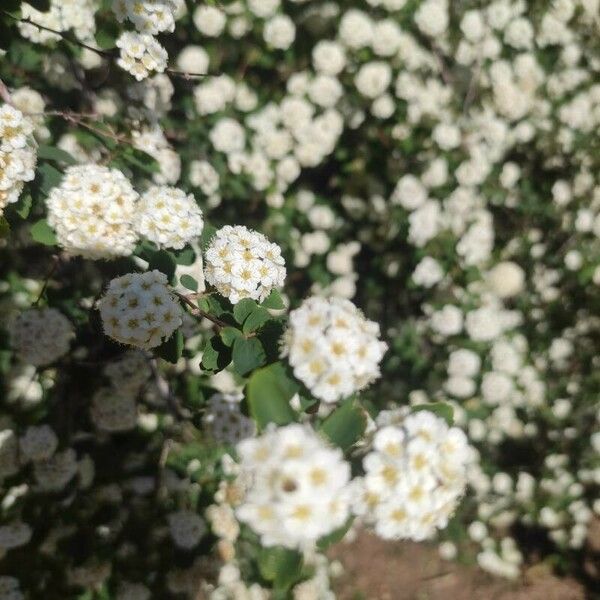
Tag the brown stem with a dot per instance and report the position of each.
(197, 312)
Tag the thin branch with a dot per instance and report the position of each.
(197, 312)
(55, 263)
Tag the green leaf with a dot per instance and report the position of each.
(56, 154)
(208, 232)
(185, 257)
(259, 316)
(172, 349)
(229, 335)
(242, 309)
(187, 281)
(50, 177)
(141, 160)
(4, 227)
(441, 409)
(24, 207)
(163, 261)
(215, 356)
(335, 536)
(248, 354)
(345, 425)
(269, 392)
(280, 565)
(42, 233)
(274, 301)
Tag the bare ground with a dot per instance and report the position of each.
(378, 570)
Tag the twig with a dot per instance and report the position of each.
(197, 312)
(55, 263)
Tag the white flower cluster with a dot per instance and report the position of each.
(148, 16)
(41, 336)
(297, 486)
(169, 217)
(186, 528)
(333, 349)
(92, 212)
(10, 588)
(153, 142)
(224, 420)
(18, 155)
(414, 477)
(141, 54)
(113, 410)
(242, 263)
(129, 372)
(78, 15)
(14, 535)
(138, 309)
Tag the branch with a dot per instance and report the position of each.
(197, 312)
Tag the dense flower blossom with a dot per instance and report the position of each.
(414, 477)
(297, 489)
(242, 263)
(141, 54)
(41, 336)
(224, 420)
(92, 212)
(138, 309)
(332, 348)
(168, 217)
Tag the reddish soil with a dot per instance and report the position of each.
(378, 570)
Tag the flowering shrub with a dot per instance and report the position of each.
(272, 269)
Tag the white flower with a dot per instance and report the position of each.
(186, 528)
(414, 477)
(447, 321)
(169, 217)
(297, 488)
(356, 29)
(373, 79)
(153, 142)
(332, 348)
(39, 442)
(224, 420)
(328, 57)
(138, 309)
(41, 336)
(18, 155)
(279, 32)
(228, 136)
(141, 54)
(409, 193)
(506, 279)
(193, 59)
(14, 535)
(432, 17)
(242, 263)
(204, 176)
(209, 20)
(428, 272)
(92, 212)
(148, 16)
(113, 410)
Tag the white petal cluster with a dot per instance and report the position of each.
(39, 442)
(78, 15)
(10, 588)
(242, 263)
(148, 16)
(41, 335)
(13, 535)
(154, 142)
(139, 309)
(186, 528)
(224, 420)
(169, 217)
(54, 474)
(414, 477)
(141, 54)
(297, 489)
(333, 349)
(18, 155)
(113, 410)
(129, 372)
(92, 212)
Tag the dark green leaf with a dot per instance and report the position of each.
(229, 335)
(269, 392)
(24, 207)
(259, 316)
(42, 233)
(248, 354)
(141, 160)
(441, 409)
(4, 227)
(345, 425)
(242, 309)
(280, 565)
(41, 5)
(208, 232)
(55, 154)
(187, 281)
(163, 261)
(215, 356)
(274, 301)
(335, 536)
(185, 257)
(50, 177)
(172, 349)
